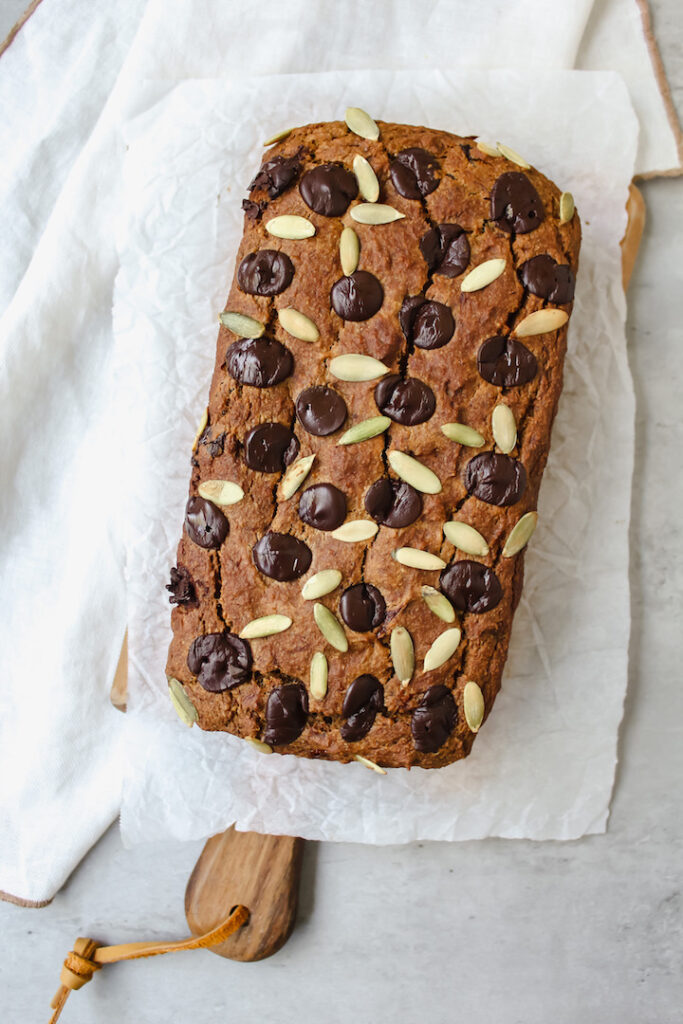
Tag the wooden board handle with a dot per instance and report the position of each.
(262, 873)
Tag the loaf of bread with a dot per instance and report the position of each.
(366, 477)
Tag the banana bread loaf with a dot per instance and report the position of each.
(366, 477)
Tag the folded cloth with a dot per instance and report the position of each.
(60, 188)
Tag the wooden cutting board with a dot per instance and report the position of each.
(260, 871)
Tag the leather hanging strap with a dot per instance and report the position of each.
(88, 956)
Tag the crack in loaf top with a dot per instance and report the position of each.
(365, 481)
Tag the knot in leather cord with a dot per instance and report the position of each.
(78, 969)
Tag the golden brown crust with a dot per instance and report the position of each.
(230, 589)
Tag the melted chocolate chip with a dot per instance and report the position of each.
(446, 250)
(393, 503)
(270, 447)
(276, 175)
(205, 524)
(252, 210)
(495, 478)
(320, 410)
(415, 173)
(259, 362)
(471, 586)
(266, 272)
(362, 607)
(220, 661)
(362, 701)
(328, 189)
(286, 712)
(323, 506)
(281, 556)
(515, 204)
(425, 323)
(506, 362)
(551, 280)
(357, 297)
(181, 587)
(408, 401)
(434, 720)
(216, 447)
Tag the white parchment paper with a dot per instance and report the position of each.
(543, 766)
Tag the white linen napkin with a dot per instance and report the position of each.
(60, 185)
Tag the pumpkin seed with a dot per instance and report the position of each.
(318, 676)
(543, 321)
(415, 558)
(486, 148)
(267, 625)
(184, 707)
(402, 654)
(349, 251)
(482, 275)
(443, 648)
(368, 185)
(355, 530)
(375, 213)
(466, 538)
(323, 582)
(462, 434)
(220, 492)
(504, 428)
(473, 704)
(330, 627)
(414, 472)
(298, 325)
(295, 476)
(513, 156)
(201, 428)
(369, 764)
(242, 325)
(364, 430)
(520, 534)
(360, 123)
(278, 137)
(566, 207)
(438, 603)
(289, 225)
(263, 748)
(355, 367)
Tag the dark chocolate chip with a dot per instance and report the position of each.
(506, 362)
(216, 447)
(205, 524)
(425, 323)
(320, 410)
(515, 204)
(408, 401)
(471, 586)
(551, 280)
(259, 362)
(415, 173)
(323, 506)
(495, 478)
(270, 447)
(276, 175)
(393, 503)
(357, 297)
(362, 607)
(434, 720)
(328, 189)
(181, 587)
(266, 272)
(220, 661)
(362, 701)
(252, 210)
(446, 250)
(281, 556)
(286, 711)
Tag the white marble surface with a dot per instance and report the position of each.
(496, 931)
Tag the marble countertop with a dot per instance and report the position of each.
(506, 931)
